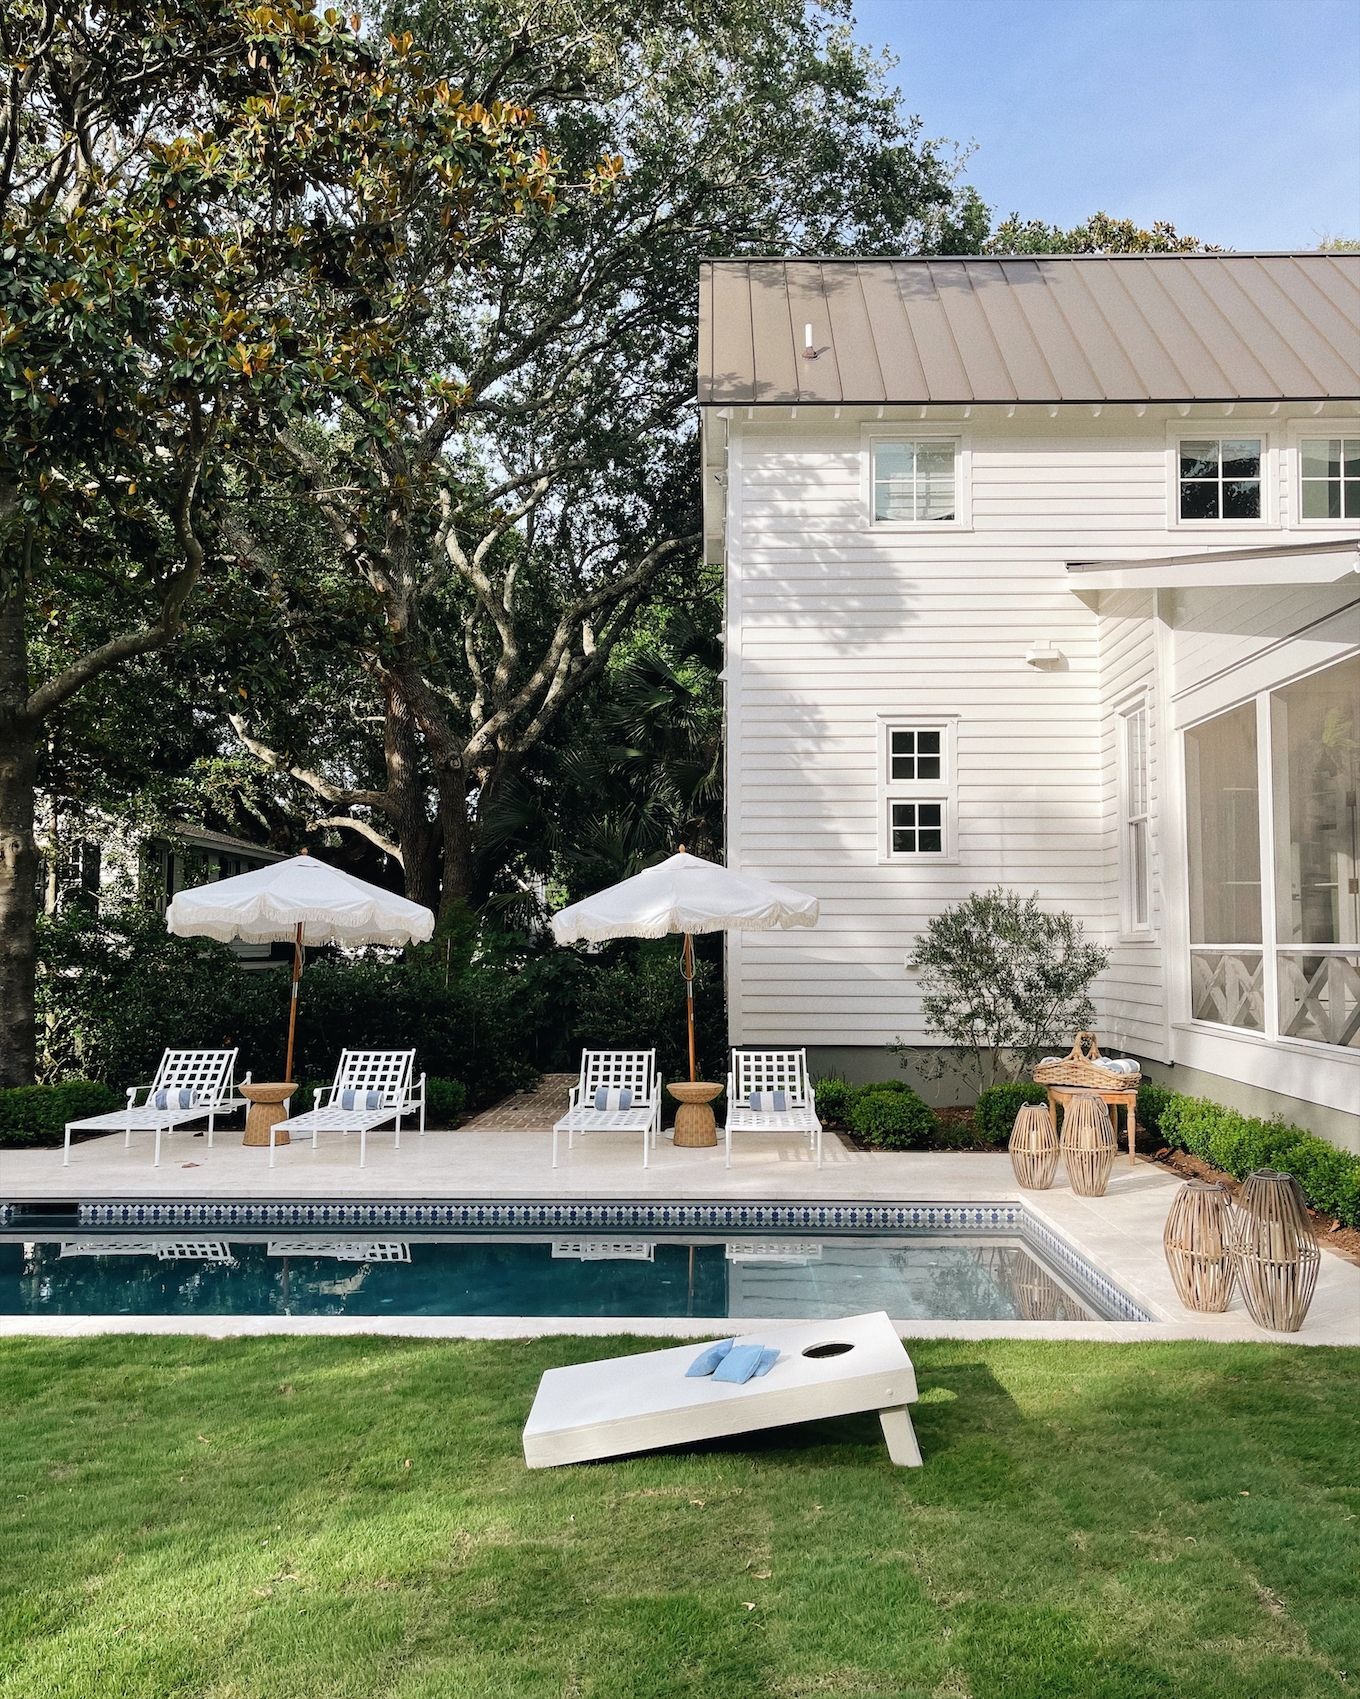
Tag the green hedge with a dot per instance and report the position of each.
(1240, 1143)
(892, 1117)
(116, 988)
(998, 1106)
(37, 1114)
(834, 1097)
(445, 1101)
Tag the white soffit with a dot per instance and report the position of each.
(1299, 563)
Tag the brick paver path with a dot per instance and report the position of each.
(532, 1111)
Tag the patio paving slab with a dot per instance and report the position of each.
(1120, 1233)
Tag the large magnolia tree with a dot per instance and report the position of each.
(199, 204)
(484, 556)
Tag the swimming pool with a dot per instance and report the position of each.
(936, 1272)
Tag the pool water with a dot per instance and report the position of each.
(913, 1276)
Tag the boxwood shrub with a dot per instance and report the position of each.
(998, 1106)
(1239, 1143)
(36, 1115)
(834, 1096)
(892, 1117)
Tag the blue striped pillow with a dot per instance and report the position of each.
(769, 1102)
(613, 1097)
(352, 1099)
(180, 1097)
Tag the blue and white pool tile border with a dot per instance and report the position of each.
(539, 1214)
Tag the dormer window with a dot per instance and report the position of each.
(1219, 478)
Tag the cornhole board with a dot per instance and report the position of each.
(646, 1403)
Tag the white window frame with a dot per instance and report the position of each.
(1133, 821)
(943, 790)
(1269, 1034)
(1221, 430)
(1315, 430)
(871, 435)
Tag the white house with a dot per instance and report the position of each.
(1045, 572)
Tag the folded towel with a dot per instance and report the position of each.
(1124, 1065)
(183, 1098)
(611, 1097)
(708, 1360)
(746, 1362)
(769, 1102)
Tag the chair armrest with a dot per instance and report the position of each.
(132, 1091)
(245, 1080)
(575, 1096)
(419, 1098)
(321, 1092)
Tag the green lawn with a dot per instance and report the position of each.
(309, 1518)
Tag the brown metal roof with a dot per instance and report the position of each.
(1078, 328)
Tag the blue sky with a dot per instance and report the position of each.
(1238, 120)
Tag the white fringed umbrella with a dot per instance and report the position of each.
(684, 894)
(298, 901)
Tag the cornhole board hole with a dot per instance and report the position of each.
(646, 1403)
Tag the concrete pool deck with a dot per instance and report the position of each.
(1121, 1233)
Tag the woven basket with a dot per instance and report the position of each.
(1081, 1067)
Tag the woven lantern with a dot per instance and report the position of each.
(1034, 1147)
(1087, 1144)
(1275, 1250)
(1197, 1240)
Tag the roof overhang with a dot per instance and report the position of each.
(1288, 563)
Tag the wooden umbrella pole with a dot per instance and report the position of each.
(293, 1001)
(687, 968)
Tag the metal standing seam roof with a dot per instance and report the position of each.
(1080, 328)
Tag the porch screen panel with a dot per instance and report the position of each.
(1315, 771)
(1223, 853)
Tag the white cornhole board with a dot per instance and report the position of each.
(645, 1403)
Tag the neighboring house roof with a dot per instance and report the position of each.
(1074, 328)
(197, 838)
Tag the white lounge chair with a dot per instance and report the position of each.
(633, 1071)
(384, 1074)
(772, 1071)
(208, 1077)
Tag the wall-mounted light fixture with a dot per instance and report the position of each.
(1045, 654)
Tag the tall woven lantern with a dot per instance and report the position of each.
(1034, 1147)
(1197, 1240)
(1275, 1250)
(1087, 1144)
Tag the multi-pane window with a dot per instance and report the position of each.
(916, 775)
(917, 828)
(1135, 826)
(915, 481)
(915, 753)
(1219, 477)
(1329, 472)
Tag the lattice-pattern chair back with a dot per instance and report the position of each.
(633, 1070)
(207, 1073)
(384, 1071)
(771, 1070)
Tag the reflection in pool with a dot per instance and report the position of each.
(924, 1276)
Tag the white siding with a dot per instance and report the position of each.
(1132, 992)
(832, 622)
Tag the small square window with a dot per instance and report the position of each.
(1219, 478)
(915, 482)
(915, 755)
(918, 828)
(1329, 470)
